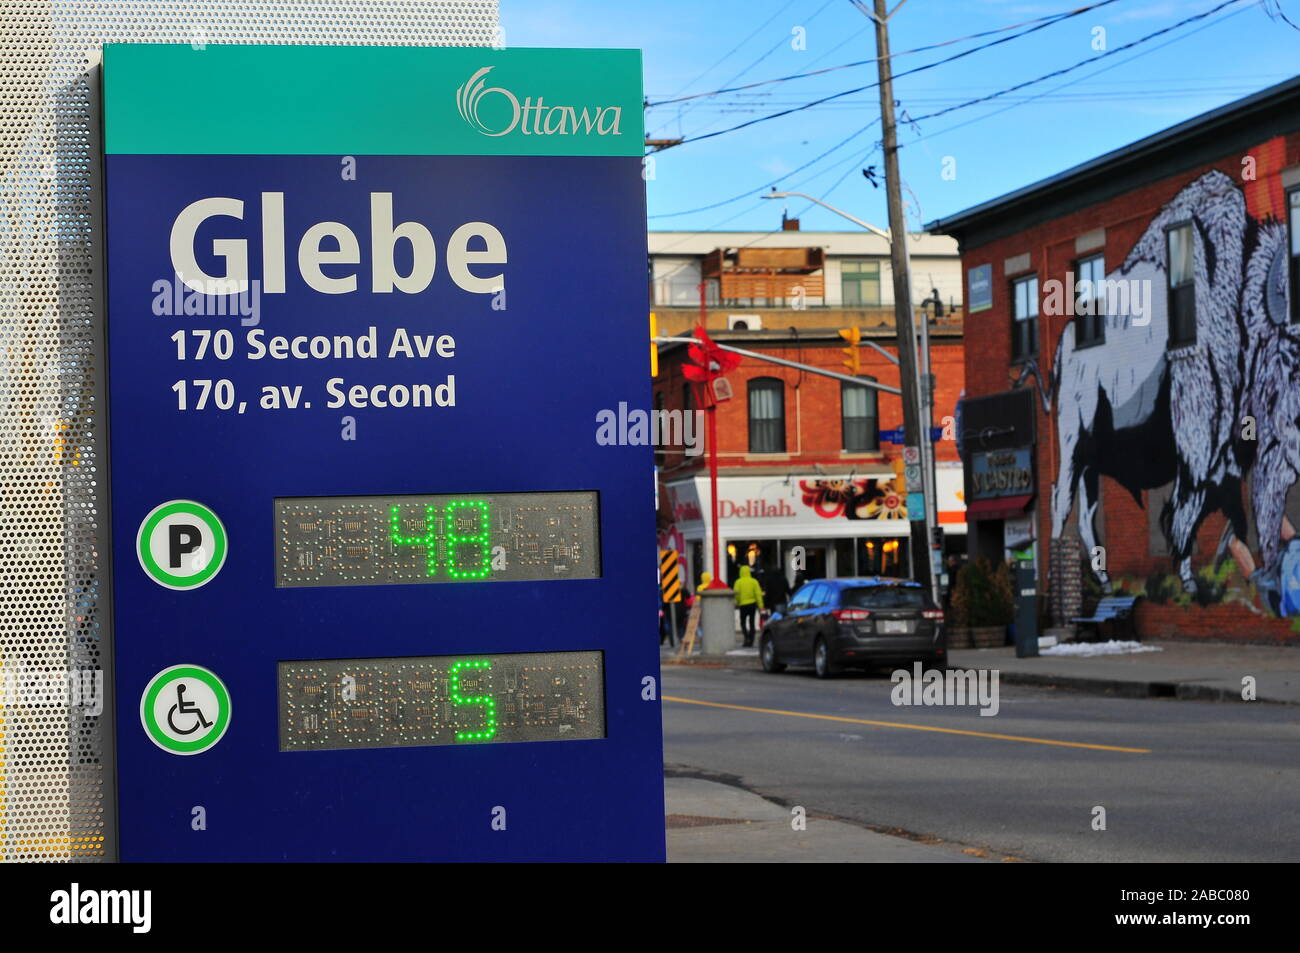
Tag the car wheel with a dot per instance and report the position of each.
(822, 663)
(767, 652)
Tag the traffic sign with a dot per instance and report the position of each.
(181, 544)
(911, 455)
(896, 435)
(670, 580)
(916, 507)
(185, 709)
(912, 475)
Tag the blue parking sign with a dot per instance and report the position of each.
(377, 587)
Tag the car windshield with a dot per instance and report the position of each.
(885, 597)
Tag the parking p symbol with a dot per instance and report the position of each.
(181, 544)
(184, 538)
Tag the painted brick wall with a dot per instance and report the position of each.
(1123, 523)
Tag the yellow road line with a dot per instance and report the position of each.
(899, 724)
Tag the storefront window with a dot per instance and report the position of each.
(884, 556)
(844, 558)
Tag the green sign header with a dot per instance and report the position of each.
(173, 99)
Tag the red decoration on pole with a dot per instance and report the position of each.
(708, 362)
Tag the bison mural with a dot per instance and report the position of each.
(1203, 417)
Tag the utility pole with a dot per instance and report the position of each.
(916, 433)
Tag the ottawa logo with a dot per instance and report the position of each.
(532, 118)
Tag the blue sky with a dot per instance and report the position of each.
(993, 149)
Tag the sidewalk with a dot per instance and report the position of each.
(710, 823)
(1204, 671)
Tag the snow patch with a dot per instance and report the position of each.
(1086, 649)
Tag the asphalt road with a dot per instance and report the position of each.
(1215, 781)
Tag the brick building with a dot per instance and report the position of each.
(804, 459)
(1132, 359)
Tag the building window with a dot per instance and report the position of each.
(766, 415)
(1293, 227)
(675, 283)
(1182, 285)
(1090, 302)
(859, 283)
(1024, 318)
(858, 414)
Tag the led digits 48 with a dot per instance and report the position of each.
(454, 538)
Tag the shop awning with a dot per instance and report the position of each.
(1002, 508)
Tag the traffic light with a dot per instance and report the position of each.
(654, 348)
(852, 359)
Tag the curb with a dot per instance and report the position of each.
(1129, 688)
(713, 661)
(1109, 687)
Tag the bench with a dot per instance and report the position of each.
(1112, 609)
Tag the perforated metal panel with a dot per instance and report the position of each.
(56, 777)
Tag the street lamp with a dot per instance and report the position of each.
(924, 415)
(852, 218)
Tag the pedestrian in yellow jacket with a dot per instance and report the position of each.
(749, 599)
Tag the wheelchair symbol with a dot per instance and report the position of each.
(185, 708)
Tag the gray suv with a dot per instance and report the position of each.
(833, 624)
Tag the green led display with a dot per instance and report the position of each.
(437, 538)
(481, 537)
(429, 539)
(489, 705)
(479, 699)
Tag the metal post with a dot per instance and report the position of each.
(711, 415)
(927, 454)
(902, 276)
(806, 368)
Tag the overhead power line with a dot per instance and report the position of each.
(856, 159)
(778, 180)
(1075, 66)
(726, 56)
(1042, 21)
(776, 46)
(987, 98)
(918, 69)
(1104, 69)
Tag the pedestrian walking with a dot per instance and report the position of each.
(749, 599)
(665, 623)
(775, 589)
